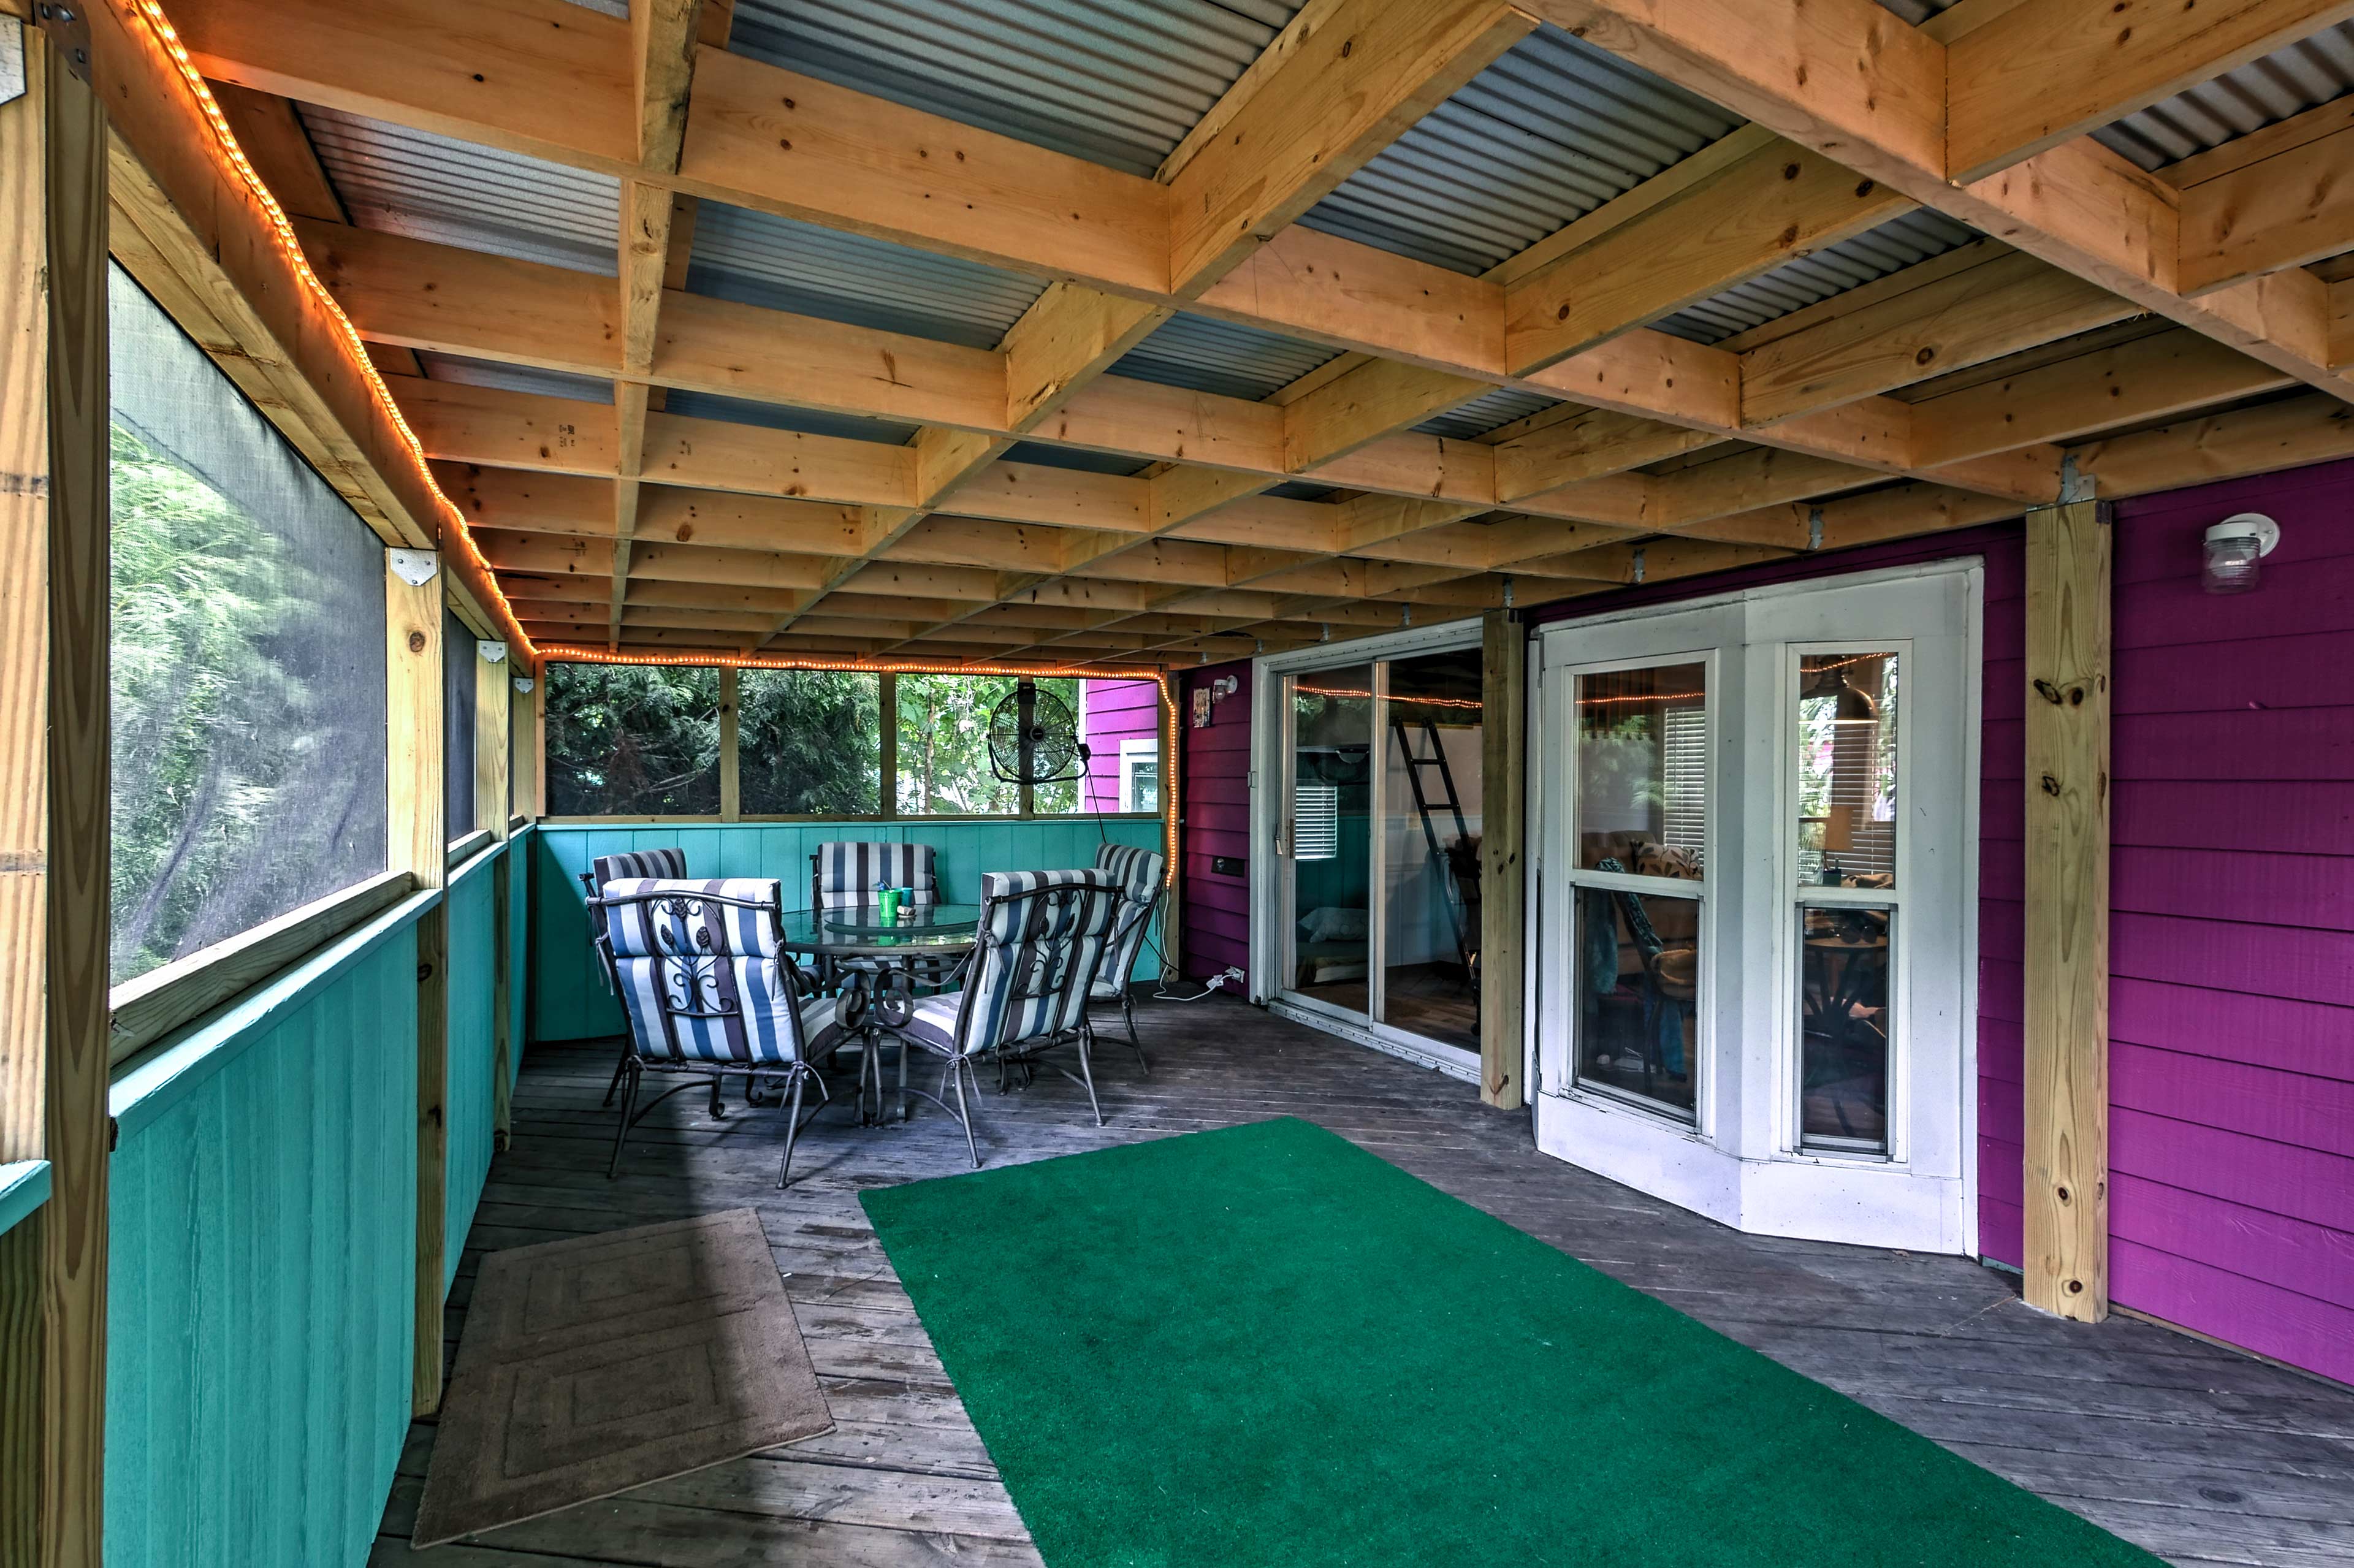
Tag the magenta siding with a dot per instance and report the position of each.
(2232, 943)
(1215, 822)
(1114, 711)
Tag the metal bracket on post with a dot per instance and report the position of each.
(523, 684)
(2074, 483)
(1814, 527)
(492, 652)
(415, 568)
(1507, 593)
(69, 29)
(1639, 563)
(12, 62)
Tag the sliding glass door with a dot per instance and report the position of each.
(1370, 905)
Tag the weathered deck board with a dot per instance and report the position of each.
(2203, 1456)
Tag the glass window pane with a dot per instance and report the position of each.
(1331, 840)
(1843, 1029)
(1637, 957)
(1430, 847)
(1120, 723)
(809, 742)
(458, 661)
(1642, 770)
(632, 740)
(247, 659)
(1847, 770)
(958, 732)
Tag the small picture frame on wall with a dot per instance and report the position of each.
(1201, 708)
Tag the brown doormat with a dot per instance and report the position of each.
(595, 1365)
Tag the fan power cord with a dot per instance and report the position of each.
(1216, 982)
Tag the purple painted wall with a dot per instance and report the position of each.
(1110, 712)
(2232, 926)
(1215, 820)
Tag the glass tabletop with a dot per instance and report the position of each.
(861, 927)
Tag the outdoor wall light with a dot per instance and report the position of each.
(2234, 546)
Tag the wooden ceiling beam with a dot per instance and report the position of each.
(2046, 73)
(2275, 198)
(1351, 83)
(1850, 80)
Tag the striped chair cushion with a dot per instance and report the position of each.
(1138, 871)
(1030, 946)
(758, 1023)
(850, 869)
(654, 863)
(684, 923)
(933, 1020)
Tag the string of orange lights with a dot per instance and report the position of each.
(453, 521)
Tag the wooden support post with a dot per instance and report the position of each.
(493, 738)
(886, 798)
(414, 834)
(1503, 747)
(2067, 911)
(731, 776)
(491, 741)
(54, 795)
(522, 719)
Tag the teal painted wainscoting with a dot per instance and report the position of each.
(520, 855)
(569, 999)
(261, 1258)
(473, 1023)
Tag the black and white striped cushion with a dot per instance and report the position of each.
(850, 871)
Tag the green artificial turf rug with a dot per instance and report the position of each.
(1264, 1346)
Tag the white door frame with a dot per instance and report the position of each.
(1738, 1161)
(1270, 861)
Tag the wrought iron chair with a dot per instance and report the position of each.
(1138, 872)
(845, 873)
(702, 973)
(658, 863)
(1042, 936)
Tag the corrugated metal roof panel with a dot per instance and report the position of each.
(456, 193)
(1543, 136)
(513, 378)
(1493, 411)
(1794, 285)
(2262, 93)
(1232, 361)
(1041, 456)
(773, 416)
(760, 259)
(1117, 82)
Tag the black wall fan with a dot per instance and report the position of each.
(1034, 738)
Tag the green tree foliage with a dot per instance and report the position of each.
(808, 742)
(632, 740)
(944, 765)
(242, 788)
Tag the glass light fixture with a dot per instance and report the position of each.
(2234, 547)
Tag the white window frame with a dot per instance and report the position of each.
(1133, 751)
(1739, 1161)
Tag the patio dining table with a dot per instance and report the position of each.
(883, 960)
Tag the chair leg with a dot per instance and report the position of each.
(1087, 1073)
(619, 1068)
(719, 1110)
(904, 1111)
(792, 1129)
(956, 1070)
(1127, 1016)
(629, 1107)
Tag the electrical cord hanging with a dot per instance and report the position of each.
(1160, 991)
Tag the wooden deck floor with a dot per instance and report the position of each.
(2201, 1455)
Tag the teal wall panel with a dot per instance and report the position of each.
(569, 999)
(521, 856)
(261, 1258)
(474, 980)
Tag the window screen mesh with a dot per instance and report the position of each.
(457, 658)
(632, 740)
(247, 659)
(944, 746)
(808, 743)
